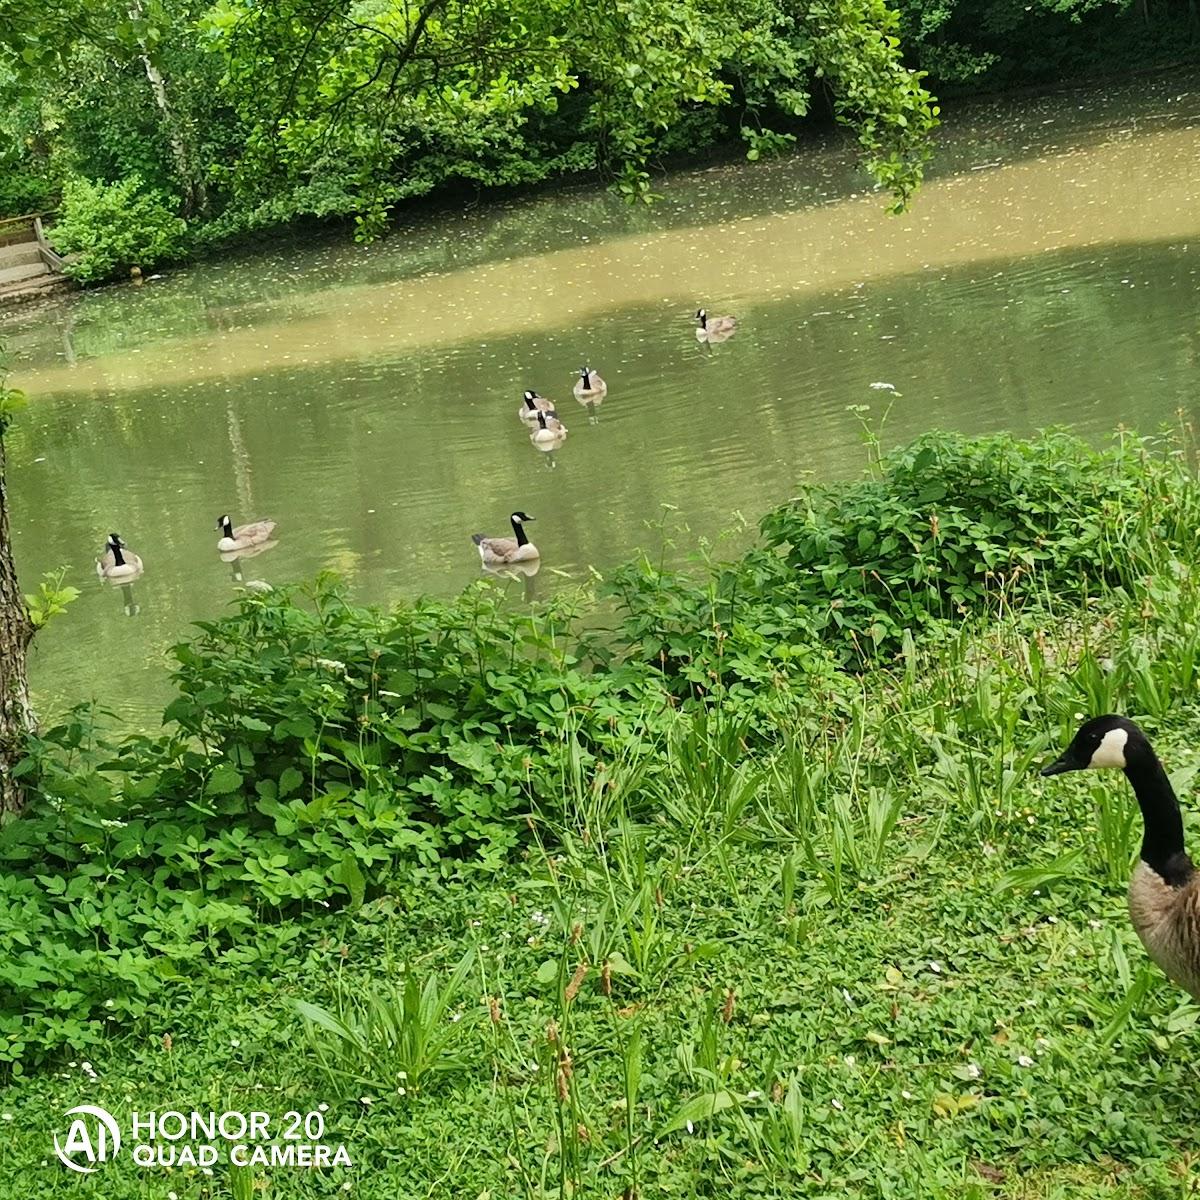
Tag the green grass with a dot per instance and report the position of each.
(870, 953)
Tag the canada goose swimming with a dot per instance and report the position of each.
(244, 536)
(549, 433)
(714, 329)
(496, 552)
(1164, 893)
(589, 387)
(117, 562)
(533, 405)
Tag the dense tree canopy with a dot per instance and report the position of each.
(250, 113)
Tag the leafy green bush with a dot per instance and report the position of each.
(314, 752)
(109, 228)
(947, 529)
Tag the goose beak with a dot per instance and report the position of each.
(1065, 763)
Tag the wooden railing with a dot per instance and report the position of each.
(15, 231)
(50, 256)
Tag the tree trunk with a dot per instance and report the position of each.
(16, 632)
(196, 199)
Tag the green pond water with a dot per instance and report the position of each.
(365, 397)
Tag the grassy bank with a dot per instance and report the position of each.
(756, 895)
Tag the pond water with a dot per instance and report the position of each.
(365, 397)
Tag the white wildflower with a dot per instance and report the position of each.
(754, 1095)
(973, 1070)
(838, 1104)
(234, 1043)
(330, 664)
(906, 1094)
(1093, 924)
(1024, 1061)
(850, 1060)
(367, 1100)
(6, 1116)
(690, 1127)
(322, 1107)
(936, 967)
(539, 918)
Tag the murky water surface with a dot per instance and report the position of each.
(365, 397)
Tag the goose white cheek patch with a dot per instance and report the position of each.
(1111, 751)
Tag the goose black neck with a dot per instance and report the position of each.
(227, 528)
(587, 380)
(1162, 841)
(519, 530)
(704, 320)
(118, 557)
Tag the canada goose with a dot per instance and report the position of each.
(549, 433)
(496, 552)
(1164, 893)
(533, 405)
(589, 387)
(244, 536)
(714, 329)
(117, 562)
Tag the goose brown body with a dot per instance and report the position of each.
(1164, 890)
(714, 329)
(1167, 919)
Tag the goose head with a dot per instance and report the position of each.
(1108, 741)
(530, 397)
(701, 316)
(519, 518)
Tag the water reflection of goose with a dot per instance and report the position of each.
(517, 570)
(131, 606)
(244, 537)
(502, 551)
(714, 329)
(534, 404)
(234, 559)
(590, 390)
(118, 561)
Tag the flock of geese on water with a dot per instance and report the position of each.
(1164, 891)
(517, 554)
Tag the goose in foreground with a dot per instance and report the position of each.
(244, 536)
(499, 551)
(533, 405)
(714, 329)
(118, 562)
(589, 387)
(1164, 892)
(549, 433)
